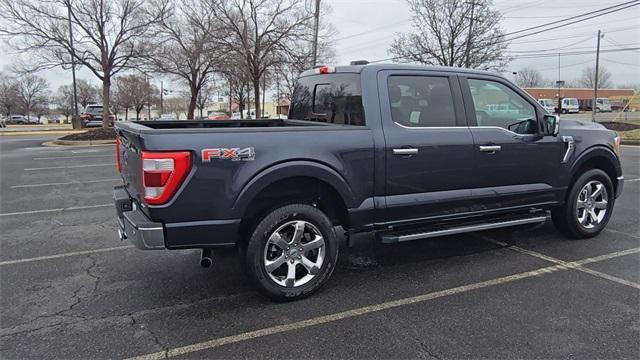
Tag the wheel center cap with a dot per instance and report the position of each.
(293, 252)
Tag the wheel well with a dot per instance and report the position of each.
(300, 190)
(597, 162)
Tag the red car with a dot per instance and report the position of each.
(218, 116)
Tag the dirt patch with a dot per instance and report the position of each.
(620, 126)
(96, 134)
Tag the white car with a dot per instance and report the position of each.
(548, 105)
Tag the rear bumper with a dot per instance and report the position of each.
(135, 226)
(619, 186)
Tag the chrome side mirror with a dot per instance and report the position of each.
(550, 125)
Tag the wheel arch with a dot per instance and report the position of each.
(597, 157)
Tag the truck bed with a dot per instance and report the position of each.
(223, 124)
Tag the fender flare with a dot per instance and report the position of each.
(291, 169)
(593, 152)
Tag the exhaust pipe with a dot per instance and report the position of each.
(206, 260)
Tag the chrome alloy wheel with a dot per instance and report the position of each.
(592, 204)
(294, 253)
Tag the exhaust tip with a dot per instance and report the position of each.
(206, 258)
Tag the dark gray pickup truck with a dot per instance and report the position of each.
(404, 152)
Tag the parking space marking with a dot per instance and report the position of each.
(56, 210)
(214, 343)
(632, 180)
(570, 265)
(622, 232)
(73, 157)
(68, 167)
(64, 183)
(64, 255)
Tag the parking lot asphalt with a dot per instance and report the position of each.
(70, 289)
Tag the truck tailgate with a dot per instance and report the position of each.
(128, 148)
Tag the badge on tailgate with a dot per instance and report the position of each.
(233, 154)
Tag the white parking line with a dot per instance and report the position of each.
(632, 180)
(72, 157)
(571, 265)
(69, 254)
(69, 167)
(214, 343)
(55, 210)
(63, 183)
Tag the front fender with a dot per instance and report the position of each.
(597, 151)
(290, 169)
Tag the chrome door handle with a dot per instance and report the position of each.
(405, 151)
(490, 148)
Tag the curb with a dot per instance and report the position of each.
(630, 142)
(79, 143)
(40, 132)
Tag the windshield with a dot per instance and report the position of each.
(546, 102)
(572, 101)
(331, 98)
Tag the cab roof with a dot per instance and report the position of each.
(394, 66)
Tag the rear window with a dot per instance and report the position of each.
(332, 98)
(94, 109)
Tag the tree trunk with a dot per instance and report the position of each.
(138, 113)
(256, 96)
(106, 101)
(126, 114)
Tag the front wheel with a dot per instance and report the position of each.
(588, 207)
(292, 252)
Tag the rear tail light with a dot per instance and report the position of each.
(162, 174)
(118, 161)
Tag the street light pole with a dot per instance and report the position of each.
(316, 25)
(595, 83)
(73, 61)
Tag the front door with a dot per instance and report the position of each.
(429, 148)
(514, 165)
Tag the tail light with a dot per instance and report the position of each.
(118, 162)
(162, 174)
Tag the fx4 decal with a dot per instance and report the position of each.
(234, 154)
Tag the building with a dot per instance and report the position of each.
(578, 93)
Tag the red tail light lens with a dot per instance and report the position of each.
(118, 161)
(162, 174)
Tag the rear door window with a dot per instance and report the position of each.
(421, 101)
(332, 98)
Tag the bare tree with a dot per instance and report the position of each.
(9, 97)
(529, 77)
(32, 91)
(109, 35)
(87, 93)
(204, 97)
(588, 78)
(64, 100)
(259, 33)
(188, 47)
(176, 105)
(135, 91)
(458, 33)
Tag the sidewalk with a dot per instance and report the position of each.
(45, 129)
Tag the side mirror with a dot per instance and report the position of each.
(550, 125)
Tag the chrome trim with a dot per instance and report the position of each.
(405, 151)
(470, 228)
(570, 148)
(490, 148)
(466, 127)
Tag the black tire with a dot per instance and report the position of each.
(565, 218)
(564, 111)
(257, 247)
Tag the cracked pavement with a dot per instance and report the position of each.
(127, 302)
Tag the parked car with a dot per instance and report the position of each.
(569, 106)
(248, 114)
(548, 105)
(218, 116)
(21, 120)
(602, 105)
(168, 117)
(93, 114)
(404, 152)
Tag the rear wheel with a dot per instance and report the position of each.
(588, 207)
(292, 252)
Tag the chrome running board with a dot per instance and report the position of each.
(393, 238)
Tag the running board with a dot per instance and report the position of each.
(394, 238)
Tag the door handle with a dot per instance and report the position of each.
(490, 148)
(405, 151)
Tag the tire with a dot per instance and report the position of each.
(564, 111)
(312, 266)
(574, 219)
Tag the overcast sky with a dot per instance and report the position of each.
(367, 27)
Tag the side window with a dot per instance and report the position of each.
(497, 105)
(421, 101)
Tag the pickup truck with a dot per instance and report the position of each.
(399, 151)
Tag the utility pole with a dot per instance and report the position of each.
(161, 98)
(316, 26)
(467, 51)
(595, 83)
(558, 82)
(73, 61)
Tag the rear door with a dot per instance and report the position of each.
(428, 146)
(514, 166)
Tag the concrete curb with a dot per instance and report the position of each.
(630, 142)
(79, 143)
(40, 132)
